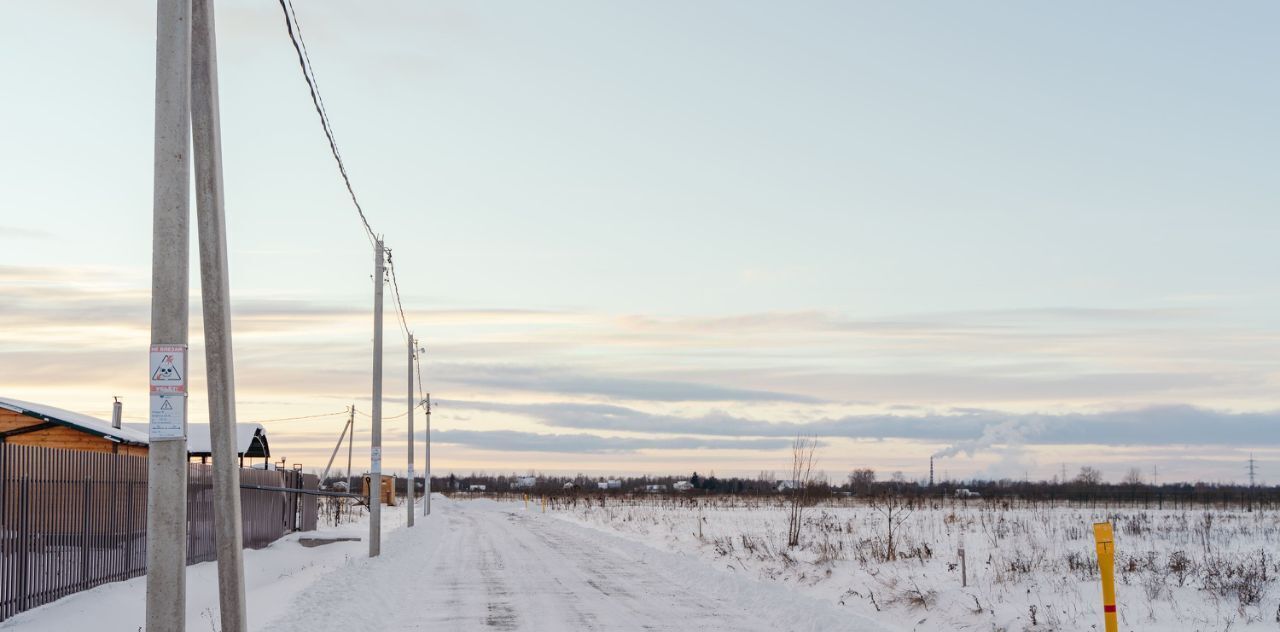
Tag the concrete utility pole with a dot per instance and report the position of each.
(342, 437)
(375, 449)
(351, 446)
(167, 458)
(409, 488)
(426, 504)
(215, 292)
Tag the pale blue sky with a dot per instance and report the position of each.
(867, 204)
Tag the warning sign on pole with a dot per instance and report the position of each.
(168, 392)
(168, 368)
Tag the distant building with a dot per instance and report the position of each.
(682, 486)
(655, 489)
(476, 488)
(786, 486)
(965, 493)
(525, 482)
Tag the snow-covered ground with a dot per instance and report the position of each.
(274, 576)
(473, 565)
(1028, 568)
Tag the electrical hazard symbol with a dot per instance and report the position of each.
(168, 369)
(166, 372)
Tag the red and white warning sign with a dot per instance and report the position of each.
(168, 368)
(168, 418)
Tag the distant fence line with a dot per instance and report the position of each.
(72, 520)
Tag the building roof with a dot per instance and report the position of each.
(85, 423)
(251, 439)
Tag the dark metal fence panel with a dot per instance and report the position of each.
(309, 514)
(67, 523)
(263, 513)
(71, 520)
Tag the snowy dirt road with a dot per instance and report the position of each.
(479, 565)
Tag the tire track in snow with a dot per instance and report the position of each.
(480, 566)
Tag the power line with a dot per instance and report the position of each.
(304, 61)
(262, 421)
(395, 286)
(294, 28)
(384, 417)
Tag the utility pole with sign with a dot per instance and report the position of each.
(409, 488)
(167, 424)
(375, 448)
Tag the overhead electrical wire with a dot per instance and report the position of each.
(304, 61)
(395, 286)
(263, 421)
(384, 417)
(294, 28)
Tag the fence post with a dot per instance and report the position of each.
(24, 538)
(84, 534)
(128, 530)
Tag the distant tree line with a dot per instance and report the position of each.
(1087, 488)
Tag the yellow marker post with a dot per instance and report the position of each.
(526, 502)
(1107, 568)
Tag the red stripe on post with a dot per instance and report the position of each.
(1111, 608)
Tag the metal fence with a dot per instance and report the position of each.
(72, 520)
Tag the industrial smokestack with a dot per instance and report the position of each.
(930, 471)
(115, 412)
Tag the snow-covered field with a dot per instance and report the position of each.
(1032, 568)
(473, 565)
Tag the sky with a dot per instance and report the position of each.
(668, 236)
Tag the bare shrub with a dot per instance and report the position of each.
(895, 510)
(802, 462)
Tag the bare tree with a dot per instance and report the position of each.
(895, 509)
(1133, 477)
(862, 479)
(802, 461)
(1089, 476)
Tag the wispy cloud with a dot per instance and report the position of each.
(512, 441)
(568, 382)
(968, 430)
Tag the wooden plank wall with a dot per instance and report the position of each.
(61, 437)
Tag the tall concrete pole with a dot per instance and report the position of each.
(375, 449)
(409, 488)
(342, 437)
(351, 444)
(167, 462)
(426, 504)
(215, 291)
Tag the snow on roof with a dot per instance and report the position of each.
(77, 420)
(199, 443)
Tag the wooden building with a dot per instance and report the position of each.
(25, 423)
